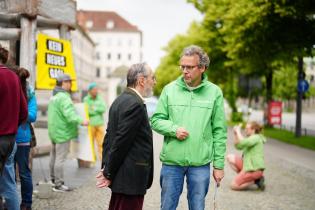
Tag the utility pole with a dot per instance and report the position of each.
(301, 75)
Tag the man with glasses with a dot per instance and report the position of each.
(190, 115)
(128, 147)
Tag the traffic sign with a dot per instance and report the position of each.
(303, 86)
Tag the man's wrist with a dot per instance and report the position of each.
(107, 175)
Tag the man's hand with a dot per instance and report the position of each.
(85, 123)
(181, 133)
(102, 181)
(218, 175)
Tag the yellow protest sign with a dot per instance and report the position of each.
(54, 57)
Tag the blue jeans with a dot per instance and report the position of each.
(172, 180)
(8, 185)
(22, 159)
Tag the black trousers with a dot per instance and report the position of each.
(120, 201)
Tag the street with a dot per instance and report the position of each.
(290, 184)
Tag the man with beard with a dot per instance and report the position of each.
(128, 149)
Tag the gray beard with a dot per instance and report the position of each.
(148, 93)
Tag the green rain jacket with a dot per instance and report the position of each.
(253, 152)
(63, 120)
(201, 113)
(97, 108)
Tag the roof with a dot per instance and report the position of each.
(104, 21)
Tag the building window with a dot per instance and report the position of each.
(118, 56)
(108, 56)
(110, 24)
(108, 71)
(109, 42)
(130, 42)
(129, 56)
(89, 24)
(98, 72)
(98, 56)
(118, 42)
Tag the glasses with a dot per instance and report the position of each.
(151, 77)
(188, 68)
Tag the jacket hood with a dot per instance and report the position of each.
(58, 89)
(30, 92)
(180, 82)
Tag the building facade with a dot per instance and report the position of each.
(118, 45)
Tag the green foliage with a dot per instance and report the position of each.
(259, 38)
(197, 34)
(285, 82)
(310, 92)
(237, 117)
(289, 137)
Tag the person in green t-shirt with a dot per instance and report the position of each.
(251, 165)
(97, 108)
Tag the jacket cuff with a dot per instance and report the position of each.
(107, 174)
(218, 164)
(174, 129)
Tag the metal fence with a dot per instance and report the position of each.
(305, 131)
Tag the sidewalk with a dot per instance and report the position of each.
(290, 184)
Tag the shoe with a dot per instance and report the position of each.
(62, 188)
(260, 183)
(52, 183)
(23, 207)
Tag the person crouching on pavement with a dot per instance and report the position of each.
(63, 122)
(97, 108)
(251, 165)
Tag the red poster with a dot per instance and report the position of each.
(274, 112)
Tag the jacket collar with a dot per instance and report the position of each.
(90, 97)
(180, 82)
(135, 93)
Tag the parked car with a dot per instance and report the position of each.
(151, 104)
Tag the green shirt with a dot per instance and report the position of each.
(201, 112)
(253, 152)
(97, 107)
(63, 120)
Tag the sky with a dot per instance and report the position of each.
(159, 20)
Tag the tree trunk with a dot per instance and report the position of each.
(231, 96)
(268, 76)
(269, 86)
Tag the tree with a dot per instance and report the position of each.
(258, 33)
(285, 83)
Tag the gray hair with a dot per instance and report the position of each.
(136, 70)
(196, 50)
